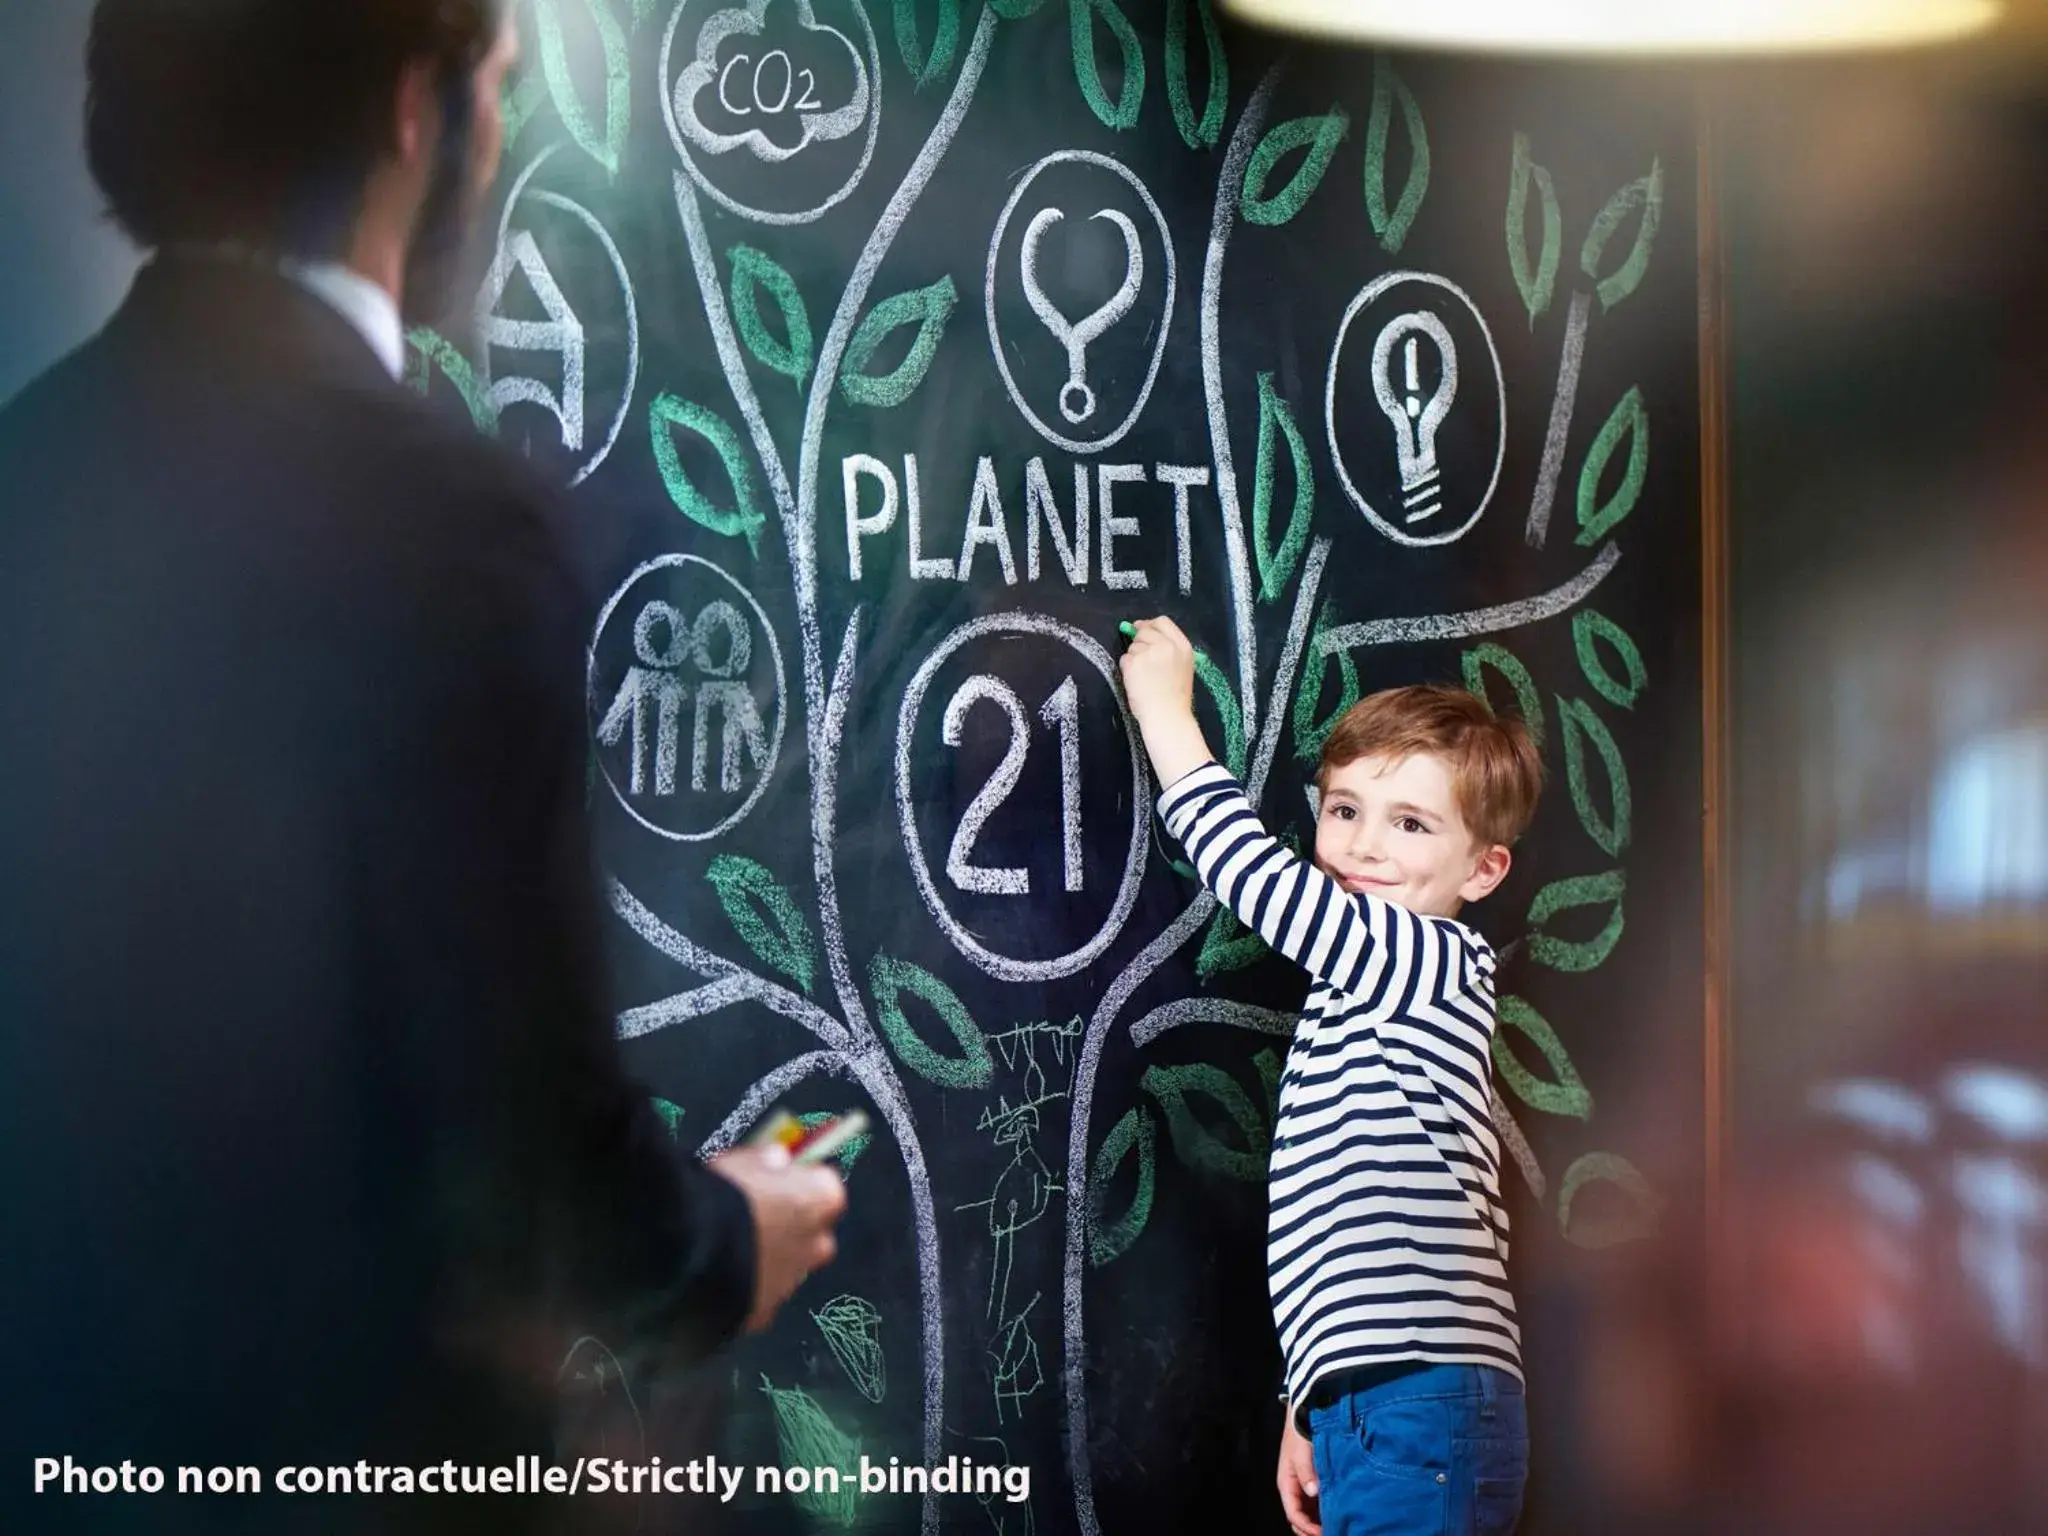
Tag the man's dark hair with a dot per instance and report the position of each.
(259, 121)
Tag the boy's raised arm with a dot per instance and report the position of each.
(1300, 912)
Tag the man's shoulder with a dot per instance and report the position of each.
(54, 398)
(446, 485)
(422, 444)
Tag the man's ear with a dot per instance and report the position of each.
(1488, 872)
(416, 116)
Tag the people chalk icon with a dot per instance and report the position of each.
(678, 672)
(1075, 336)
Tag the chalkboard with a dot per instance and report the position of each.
(894, 355)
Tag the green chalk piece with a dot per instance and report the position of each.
(1128, 630)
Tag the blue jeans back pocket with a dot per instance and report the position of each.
(1496, 1456)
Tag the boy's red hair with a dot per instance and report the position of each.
(1496, 771)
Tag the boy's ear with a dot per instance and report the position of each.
(1488, 872)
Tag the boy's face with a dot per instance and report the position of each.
(1393, 828)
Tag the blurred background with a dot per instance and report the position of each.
(1863, 1344)
(1885, 1337)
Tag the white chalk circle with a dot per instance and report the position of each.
(1419, 474)
(742, 94)
(561, 333)
(683, 642)
(1075, 393)
(1006, 967)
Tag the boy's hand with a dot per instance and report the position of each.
(1297, 1480)
(1159, 671)
(1159, 683)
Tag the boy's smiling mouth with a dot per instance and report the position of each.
(1357, 883)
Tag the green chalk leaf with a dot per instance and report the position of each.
(1640, 1212)
(432, 350)
(1581, 725)
(1202, 132)
(927, 66)
(1081, 17)
(671, 1117)
(1276, 422)
(928, 309)
(1132, 1135)
(1227, 712)
(852, 1329)
(1565, 896)
(743, 517)
(1630, 419)
(807, 1436)
(1311, 730)
(1528, 702)
(605, 144)
(1389, 90)
(1318, 137)
(1539, 281)
(1565, 1093)
(1194, 1142)
(753, 274)
(518, 99)
(765, 917)
(1589, 627)
(1227, 945)
(1642, 198)
(889, 979)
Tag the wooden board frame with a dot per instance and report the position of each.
(1716, 937)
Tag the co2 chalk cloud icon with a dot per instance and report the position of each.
(791, 86)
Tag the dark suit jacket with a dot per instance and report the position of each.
(313, 1135)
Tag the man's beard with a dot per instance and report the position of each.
(441, 239)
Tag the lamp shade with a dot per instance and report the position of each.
(1626, 26)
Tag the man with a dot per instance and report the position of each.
(316, 1147)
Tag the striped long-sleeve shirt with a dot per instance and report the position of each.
(1386, 1236)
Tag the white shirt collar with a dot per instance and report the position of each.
(364, 305)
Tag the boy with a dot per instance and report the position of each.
(1386, 1238)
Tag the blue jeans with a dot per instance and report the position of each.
(1442, 1450)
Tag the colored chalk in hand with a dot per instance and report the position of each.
(1128, 630)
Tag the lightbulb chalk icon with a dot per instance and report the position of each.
(1415, 318)
(1415, 424)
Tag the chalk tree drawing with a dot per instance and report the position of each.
(748, 94)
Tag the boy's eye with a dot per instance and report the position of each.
(1410, 824)
(1342, 812)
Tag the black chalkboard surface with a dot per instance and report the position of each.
(895, 354)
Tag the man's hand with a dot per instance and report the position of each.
(1297, 1480)
(795, 1210)
(1159, 683)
